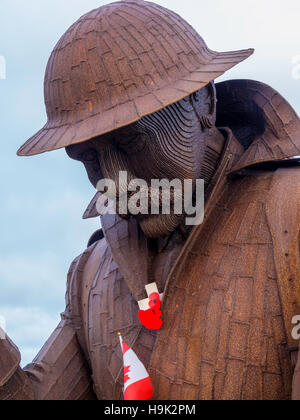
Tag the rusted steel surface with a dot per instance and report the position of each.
(231, 284)
(117, 64)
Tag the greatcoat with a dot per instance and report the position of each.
(230, 291)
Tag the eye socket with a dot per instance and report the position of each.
(126, 140)
(132, 144)
(89, 156)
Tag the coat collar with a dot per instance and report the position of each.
(130, 248)
(280, 140)
(281, 135)
(257, 104)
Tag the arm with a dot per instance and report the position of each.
(283, 213)
(14, 384)
(59, 372)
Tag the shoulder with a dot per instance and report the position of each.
(280, 173)
(283, 215)
(96, 236)
(286, 186)
(86, 264)
(96, 248)
(279, 183)
(283, 203)
(82, 272)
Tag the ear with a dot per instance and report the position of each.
(204, 103)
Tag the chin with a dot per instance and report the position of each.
(159, 226)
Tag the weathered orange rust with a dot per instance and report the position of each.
(231, 285)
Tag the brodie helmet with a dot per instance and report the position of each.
(117, 64)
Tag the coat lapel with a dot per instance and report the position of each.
(129, 249)
(129, 246)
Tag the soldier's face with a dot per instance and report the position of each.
(168, 144)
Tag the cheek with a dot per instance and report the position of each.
(171, 141)
(163, 160)
(174, 162)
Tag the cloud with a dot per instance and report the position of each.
(28, 327)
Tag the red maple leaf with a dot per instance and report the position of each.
(126, 371)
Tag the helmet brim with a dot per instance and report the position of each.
(51, 138)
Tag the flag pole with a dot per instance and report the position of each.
(120, 338)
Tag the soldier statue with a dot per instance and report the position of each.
(130, 87)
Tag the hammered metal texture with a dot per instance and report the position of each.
(118, 63)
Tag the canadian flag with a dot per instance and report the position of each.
(137, 383)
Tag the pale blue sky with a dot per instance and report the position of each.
(43, 198)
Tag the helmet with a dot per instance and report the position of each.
(117, 64)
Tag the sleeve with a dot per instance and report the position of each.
(14, 384)
(283, 214)
(59, 372)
